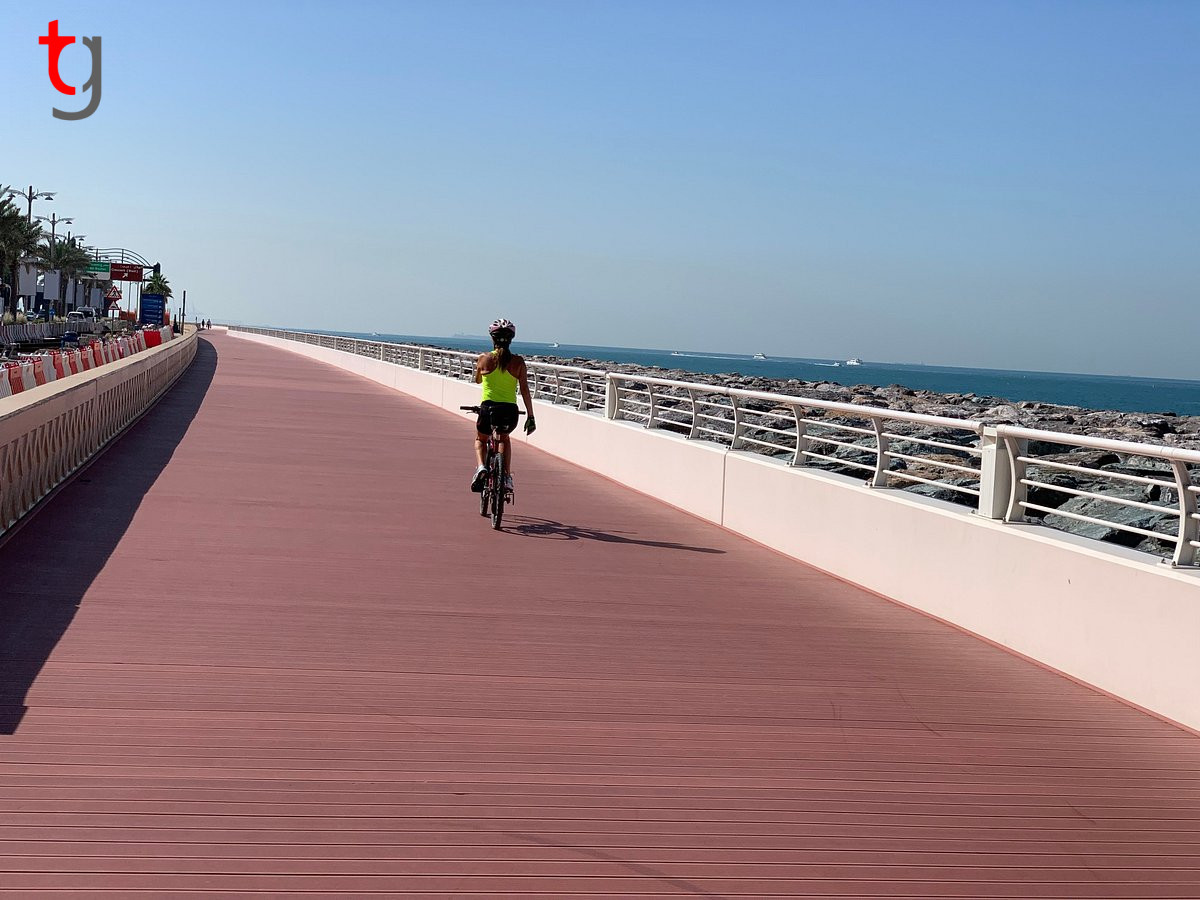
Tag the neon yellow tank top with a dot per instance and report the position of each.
(499, 386)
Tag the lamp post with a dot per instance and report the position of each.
(77, 239)
(55, 221)
(29, 195)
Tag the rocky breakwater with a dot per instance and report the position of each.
(1137, 492)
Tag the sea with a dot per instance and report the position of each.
(1099, 392)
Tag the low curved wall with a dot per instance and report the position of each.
(49, 431)
(1104, 615)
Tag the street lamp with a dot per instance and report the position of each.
(54, 221)
(30, 195)
(77, 281)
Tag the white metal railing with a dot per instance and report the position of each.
(564, 385)
(890, 448)
(1141, 495)
(1149, 491)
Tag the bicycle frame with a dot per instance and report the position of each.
(494, 495)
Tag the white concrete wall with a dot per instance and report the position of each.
(1110, 617)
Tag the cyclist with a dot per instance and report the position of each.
(501, 373)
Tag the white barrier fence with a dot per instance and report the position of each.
(1131, 494)
(581, 388)
(31, 332)
(49, 429)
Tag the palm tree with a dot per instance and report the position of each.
(157, 284)
(18, 240)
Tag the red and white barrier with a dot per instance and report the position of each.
(12, 374)
(51, 365)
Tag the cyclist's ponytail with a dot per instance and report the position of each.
(504, 358)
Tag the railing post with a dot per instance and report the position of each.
(738, 425)
(612, 397)
(1189, 527)
(653, 411)
(582, 392)
(801, 437)
(883, 460)
(421, 358)
(1018, 491)
(995, 475)
(695, 432)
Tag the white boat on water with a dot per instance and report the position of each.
(760, 356)
(676, 353)
(554, 343)
(854, 362)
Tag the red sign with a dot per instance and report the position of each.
(113, 293)
(126, 272)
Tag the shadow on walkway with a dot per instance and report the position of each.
(47, 566)
(528, 526)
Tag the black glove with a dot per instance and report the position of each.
(530, 425)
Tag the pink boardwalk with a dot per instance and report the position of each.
(266, 646)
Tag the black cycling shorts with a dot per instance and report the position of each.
(503, 415)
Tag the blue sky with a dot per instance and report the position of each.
(994, 184)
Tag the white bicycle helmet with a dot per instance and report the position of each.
(503, 325)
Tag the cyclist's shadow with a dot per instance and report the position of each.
(529, 526)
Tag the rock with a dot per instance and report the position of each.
(1157, 427)
(1117, 513)
(1047, 496)
(1006, 414)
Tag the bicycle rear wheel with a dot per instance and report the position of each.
(497, 491)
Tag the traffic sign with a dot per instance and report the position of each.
(126, 272)
(113, 293)
(97, 269)
(151, 312)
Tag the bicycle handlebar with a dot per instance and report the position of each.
(477, 409)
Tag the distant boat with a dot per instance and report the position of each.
(760, 356)
(676, 353)
(554, 343)
(854, 362)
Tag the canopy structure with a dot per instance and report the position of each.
(122, 255)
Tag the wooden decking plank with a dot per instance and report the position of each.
(283, 656)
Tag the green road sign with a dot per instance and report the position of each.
(98, 269)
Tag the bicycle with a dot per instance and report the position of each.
(494, 494)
